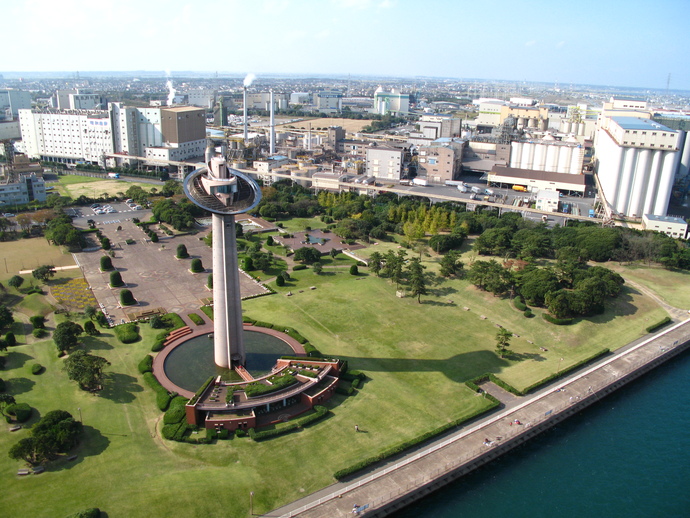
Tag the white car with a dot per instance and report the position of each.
(110, 210)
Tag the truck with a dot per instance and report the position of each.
(490, 192)
(462, 188)
(520, 188)
(420, 182)
(476, 190)
(591, 213)
(113, 175)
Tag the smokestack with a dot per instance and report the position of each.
(210, 152)
(272, 148)
(309, 138)
(245, 115)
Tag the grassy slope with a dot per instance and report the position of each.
(414, 354)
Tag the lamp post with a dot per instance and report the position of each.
(559, 366)
(251, 503)
(80, 419)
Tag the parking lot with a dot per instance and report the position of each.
(150, 270)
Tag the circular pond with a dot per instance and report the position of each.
(192, 362)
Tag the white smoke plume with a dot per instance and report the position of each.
(249, 80)
(171, 92)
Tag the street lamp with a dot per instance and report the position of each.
(80, 419)
(559, 366)
(251, 503)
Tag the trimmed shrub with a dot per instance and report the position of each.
(146, 364)
(196, 266)
(105, 243)
(127, 333)
(248, 320)
(278, 383)
(247, 264)
(10, 340)
(311, 350)
(106, 263)
(39, 333)
(162, 396)
(157, 322)
(558, 321)
(126, 298)
(90, 328)
(280, 281)
(182, 252)
(174, 415)
(20, 411)
(298, 267)
(658, 325)
(224, 434)
(528, 313)
(116, 279)
(319, 413)
(519, 303)
(38, 321)
(196, 319)
(209, 282)
(154, 237)
(354, 270)
(36, 368)
(159, 343)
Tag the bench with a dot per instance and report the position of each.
(15, 428)
(22, 472)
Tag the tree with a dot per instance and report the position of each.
(157, 322)
(90, 328)
(537, 283)
(503, 341)
(270, 241)
(85, 369)
(334, 252)
(90, 312)
(66, 335)
(417, 283)
(450, 264)
(375, 263)
(56, 432)
(38, 321)
(354, 270)
(280, 281)
(6, 318)
(10, 340)
(43, 273)
(248, 264)
(307, 255)
(182, 251)
(15, 282)
(318, 267)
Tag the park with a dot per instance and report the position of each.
(417, 354)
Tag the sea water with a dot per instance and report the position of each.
(626, 456)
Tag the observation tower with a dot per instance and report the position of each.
(224, 192)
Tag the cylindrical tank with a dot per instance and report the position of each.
(527, 158)
(653, 184)
(665, 184)
(515, 154)
(684, 143)
(640, 184)
(564, 155)
(623, 194)
(540, 157)
(565, 126)
(551, 159)
(576, 160)
(532, 123)
(239, 164)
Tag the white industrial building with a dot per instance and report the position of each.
(637, 160)
(385, 162)
(327, 101)
(11, 101)
(548, 155)
(669, 225)
(391, 101)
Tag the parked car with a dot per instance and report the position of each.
(8, 215)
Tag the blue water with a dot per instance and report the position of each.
(627, 456)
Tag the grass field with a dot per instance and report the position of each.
(669, 285)
(349, 125)
(29, 254)
(75, 186)
(416, 357)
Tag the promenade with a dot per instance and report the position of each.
(404, 479)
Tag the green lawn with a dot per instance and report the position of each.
(29, 254)
(74, 186)
(668, 285)
(416, 357)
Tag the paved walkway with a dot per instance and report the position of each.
(386, 488)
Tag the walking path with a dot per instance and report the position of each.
(676, 313)
(398, 482)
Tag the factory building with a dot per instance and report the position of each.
(439, 126)
(385, 162)
(669, 225)
(11, 101)
(328, 101)
(390, 101)
(26, 188)
(441, 160)
(637, 161)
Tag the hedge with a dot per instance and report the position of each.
(127, 333)
(203, 387)
(208, 311)
(558, 321)
(20, 411)
(519, 303)
(395, 450)
(659, 324)
(311, 350)
(146, 364)
(173, 321)
(196, 319)
(566, 370)
(39, 333)
(38, 322)
(248, 320)
(162, 396)
(159, 343)
(528, 313)
(256, 388)
(299, 267)
(319, 413)
(353, 375)
(36, 368)
(174, 415)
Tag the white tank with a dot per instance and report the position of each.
(564, 155)
(665, 184)
(653, 184)
(576, 160)
(640, 184)
(684, 143)
(565, 126)
(515, 154)
(623, 195)
(527, 159)
(551, 159)
(540, 157)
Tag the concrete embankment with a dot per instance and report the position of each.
(400, 482)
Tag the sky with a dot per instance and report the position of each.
(630, 43)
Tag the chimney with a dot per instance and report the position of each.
(272, 148)
(246, 122)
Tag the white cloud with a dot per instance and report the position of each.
(560, 44)
(530, 43)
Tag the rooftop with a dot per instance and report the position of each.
(665, 219)
(634, 123)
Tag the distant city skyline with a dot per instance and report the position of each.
(610, 43)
